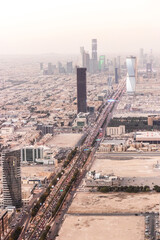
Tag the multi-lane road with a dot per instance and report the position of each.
(34, 229)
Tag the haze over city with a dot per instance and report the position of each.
(79, 120)
(35, 27)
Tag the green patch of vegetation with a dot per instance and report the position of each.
(42, 199)
(44, 234)
(129, 189)
(156, 188)
(70, 157)
(73, 179)
(16, 233)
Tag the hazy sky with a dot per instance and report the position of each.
(62, 26)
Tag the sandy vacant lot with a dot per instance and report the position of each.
(136, 167)
(65, 140)
(115, 202)
(102, 227)
(35, 171)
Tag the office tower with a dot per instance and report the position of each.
(85, 59)
(11, 178)
(149, 69)
(69, 67)
(94, 49)
(50, 69)
(41, 66)
(82, 55)
(30, 154)
(116, 75)
(141, 57)
(119, 65)
(141, 52)
(131, 63)
(109, 81)
(102, 63)
(60, 68)
(81, 90)
(94, 63)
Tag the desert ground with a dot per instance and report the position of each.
(115, 202)
(102, 227)
(65, 140)
(135, 167)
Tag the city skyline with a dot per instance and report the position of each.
(61, 27)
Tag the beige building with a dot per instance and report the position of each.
(153, 119)
(115, 130)
(7, 130)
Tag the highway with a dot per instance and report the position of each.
(34, 229)
(55, 225)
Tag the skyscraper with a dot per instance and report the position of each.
(82, 55)
(149, 69)
(81, 90)
(50, 69)
(11, 178)
(102, 63)
(85, 59)
(94, 49)
(94, 62)
(116, 75)
(131, 63)
(41, 66)
(141, 57)
(69, 67)
(119, 66)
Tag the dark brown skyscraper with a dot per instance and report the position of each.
(12, 195)
(81, 90)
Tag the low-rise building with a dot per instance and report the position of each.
(111, 131)
(81, 120)
(153, 120)
(150, 137)
(97, 180)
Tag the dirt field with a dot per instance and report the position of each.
(37, 171)
(65, 140)
(102, 227)
(136, 167)
(115, 202)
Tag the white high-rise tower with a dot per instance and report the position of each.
(131, 63)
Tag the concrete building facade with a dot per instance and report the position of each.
(12, 195)
(116, 130)
(81, 90)
(131, 63)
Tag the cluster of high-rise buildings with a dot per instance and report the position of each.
(60, 68)
(11, 159)
(91, 64)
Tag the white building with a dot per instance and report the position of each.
(131, 63)
(31, 153)
(7, 130)
(111, 131)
